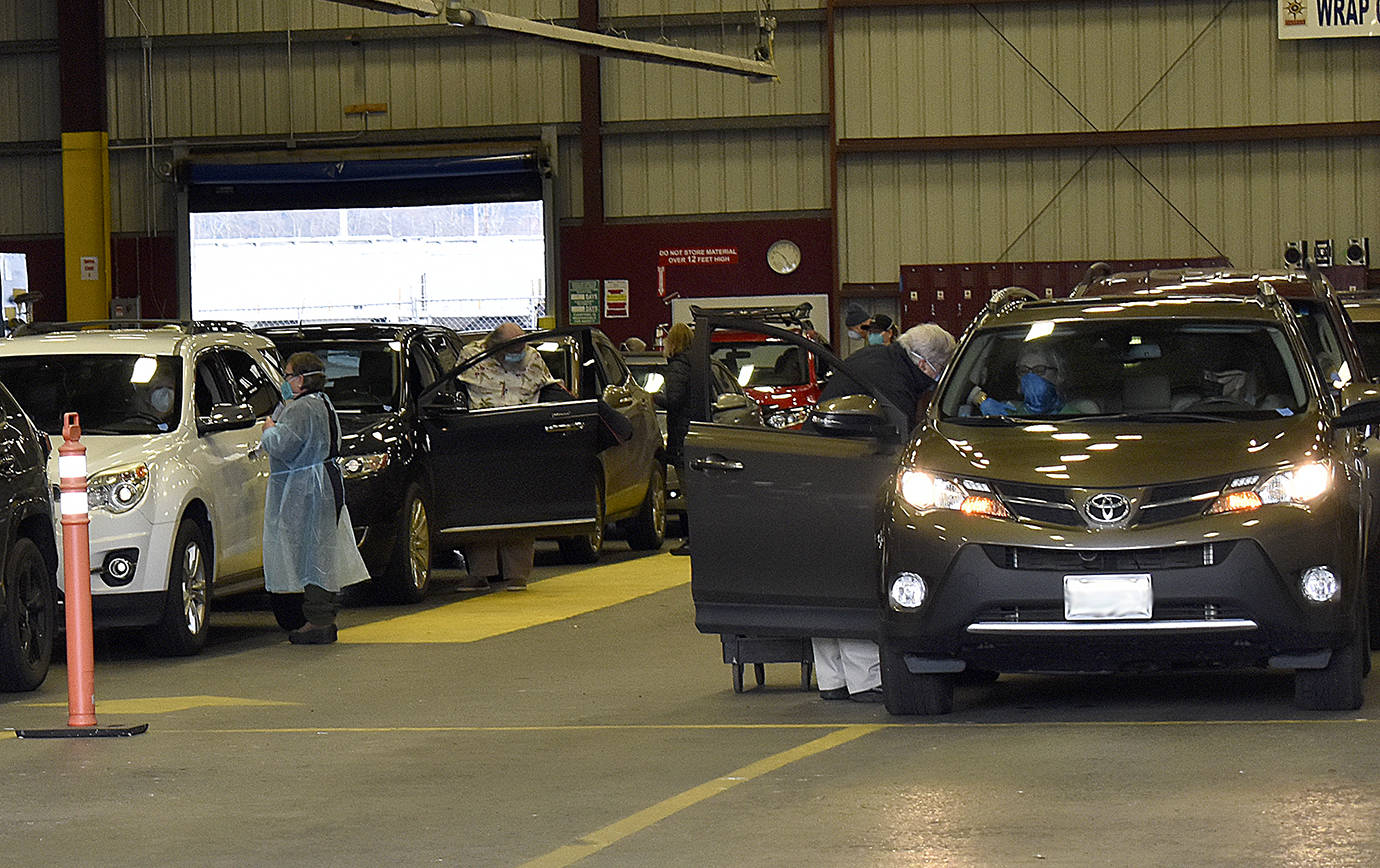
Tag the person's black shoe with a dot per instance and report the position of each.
(834, 693)
(873, 695)
(310, 634)
(682, 549)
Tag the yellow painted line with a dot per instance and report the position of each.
(165, 704)
(615, 832)
(543, 602)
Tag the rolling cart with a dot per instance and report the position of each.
(760, 650)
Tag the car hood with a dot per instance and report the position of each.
(1109, 454)
(105, 451)
(367, 432)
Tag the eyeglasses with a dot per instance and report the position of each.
(291, 376)
(1037, 370)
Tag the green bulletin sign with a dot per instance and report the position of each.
(584, 302)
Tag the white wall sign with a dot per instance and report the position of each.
(1321, 19)
(615, 299)
(90, 268)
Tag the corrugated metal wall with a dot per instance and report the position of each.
(1070, 67)
(1041, 205)
(220, 72)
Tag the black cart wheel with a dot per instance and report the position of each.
(807, 671)
(737, 678)
(760, 671)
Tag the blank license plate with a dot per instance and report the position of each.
(1122, 597)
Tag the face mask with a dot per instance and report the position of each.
(855, 334)
(512, 358)
(876, 340)
(161, 399)
(286, 390)
(1040, 394)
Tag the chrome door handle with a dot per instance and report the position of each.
(564, 427)
(715, 462)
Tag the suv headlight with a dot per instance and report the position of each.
(355, 466)
(119, 490)
(1298, 485)
(924, 490)
(788, 418)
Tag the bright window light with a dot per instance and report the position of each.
(745, 374)
(144, 368)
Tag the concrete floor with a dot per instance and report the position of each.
(613, 738)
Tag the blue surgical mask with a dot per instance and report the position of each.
(512, 358)
(876, 339)
(855, 334)
(1040, 394)
(286, 390)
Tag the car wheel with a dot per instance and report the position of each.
(585, 549)
(906, 692)
(287, 610)
(30, 618)
(1337, 686)
(182, 629)
(409, 570)
(647, 531)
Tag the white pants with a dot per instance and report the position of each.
(852, 663)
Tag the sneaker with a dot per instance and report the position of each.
(517, 585)
(311, 634)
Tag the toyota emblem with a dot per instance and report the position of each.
(1107, 508)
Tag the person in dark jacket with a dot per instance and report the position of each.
(904, 370)
(674, 398)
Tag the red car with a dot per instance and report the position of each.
(782, 378)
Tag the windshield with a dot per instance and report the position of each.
(772, 363)
(1212, 368)
(113, 394)
(359, 375)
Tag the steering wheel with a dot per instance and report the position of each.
(1222, 402)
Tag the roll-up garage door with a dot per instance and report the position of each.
(501, 177)
(455, 239)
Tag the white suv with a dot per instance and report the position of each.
(176, 480)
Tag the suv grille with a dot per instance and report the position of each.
(1050, 504)
(1108, 561)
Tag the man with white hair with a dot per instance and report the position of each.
(904, 371)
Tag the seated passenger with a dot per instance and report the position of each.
(1223, 385)
(1040, 372)
(515, 376)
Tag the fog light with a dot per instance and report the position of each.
(1320, 584)
(118, 567)
(907, 592)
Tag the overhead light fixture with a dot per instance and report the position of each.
(759, 67)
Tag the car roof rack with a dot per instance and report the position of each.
(189, 327)
(789, 314)
(1008, 298)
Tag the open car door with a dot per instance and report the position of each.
(784, 523)
(530, 467)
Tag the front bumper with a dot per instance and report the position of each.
(1225, 592)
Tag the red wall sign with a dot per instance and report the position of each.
(697, 256)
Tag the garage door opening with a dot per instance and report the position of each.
(469, 266)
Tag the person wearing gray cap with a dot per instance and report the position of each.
(904, 370)
(856, 319)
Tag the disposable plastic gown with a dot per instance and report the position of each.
(303, 542)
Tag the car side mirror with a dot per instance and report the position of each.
(226, 417)
(730, 401)
(850, 416)
(1360, 406)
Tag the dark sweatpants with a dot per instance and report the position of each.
(319, 605)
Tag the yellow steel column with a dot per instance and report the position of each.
(86, 223)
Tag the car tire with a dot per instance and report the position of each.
(181, 631)
(29, 624)
(907, 692)
(647, 531)
(1339, 686)
(585, 549)
(287, 610)
(408, 575)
